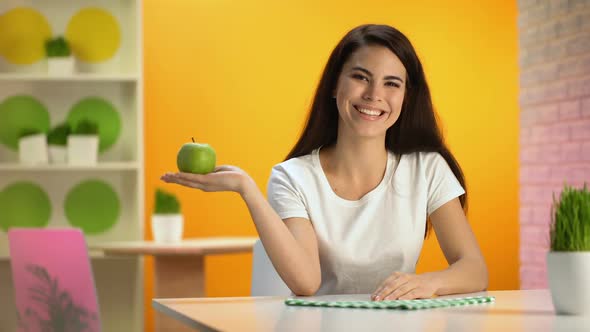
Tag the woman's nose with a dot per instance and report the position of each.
(371, 93)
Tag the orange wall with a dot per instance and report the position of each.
(239, 75)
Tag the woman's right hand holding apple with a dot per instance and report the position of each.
(196, 163)
(223, 178)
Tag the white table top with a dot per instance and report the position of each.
(522, 310)
(194, 246)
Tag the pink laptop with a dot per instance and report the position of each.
(53, 280)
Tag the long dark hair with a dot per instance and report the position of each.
(415, 130)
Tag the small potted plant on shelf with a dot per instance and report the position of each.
(167, 221)
(57, 141)
(83, 143)
(568, 261)
(59, 56)
(32, 146)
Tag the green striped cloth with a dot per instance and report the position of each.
(394, 304)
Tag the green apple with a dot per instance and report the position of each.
(196, 158)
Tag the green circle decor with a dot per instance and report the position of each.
(18, 113)
(93, 206)
(24, 204)
(103, 113)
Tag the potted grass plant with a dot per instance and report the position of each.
(59, 56)
(57, 141)
(83, 143)
(32, 146)
(167, 221)
(568, 261)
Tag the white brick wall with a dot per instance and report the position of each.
(554, 39)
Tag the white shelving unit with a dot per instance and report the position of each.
(74, 78)
(119, 281)
(105, 166)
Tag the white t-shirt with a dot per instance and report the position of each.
(362, 242)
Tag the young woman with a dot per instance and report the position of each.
(349, 208)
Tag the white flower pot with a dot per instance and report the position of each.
(57, 154)
(167, 228)
(82, 149)
(60, 66)
(33, 149)
(568, 274)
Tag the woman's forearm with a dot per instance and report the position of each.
(289, 258)
(467, 275)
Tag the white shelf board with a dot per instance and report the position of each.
(104, 166)
(65, 78)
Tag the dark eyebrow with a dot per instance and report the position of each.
(391, 77)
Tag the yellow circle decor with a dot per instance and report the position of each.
(23, 32)
(94, 35)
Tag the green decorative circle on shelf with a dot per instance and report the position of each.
(18, 113)
(103, 113)
(93, 206)
(24, 204)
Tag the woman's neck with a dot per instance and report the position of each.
(356, 159)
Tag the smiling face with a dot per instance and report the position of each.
(370, 92)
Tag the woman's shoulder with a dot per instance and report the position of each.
(423, 158)
(423, 162)
(417, 170)
(296, 165)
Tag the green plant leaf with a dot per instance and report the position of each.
(85, 127)
(59, 134)
(166, 203)
(570, 220)
(57, 47)
(28, 132)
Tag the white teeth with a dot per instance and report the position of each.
(369, 112)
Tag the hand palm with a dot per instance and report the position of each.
(223, 178)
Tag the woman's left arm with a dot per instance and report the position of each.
(467, 271)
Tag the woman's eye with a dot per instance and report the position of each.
(392, 84)
(359, 77)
